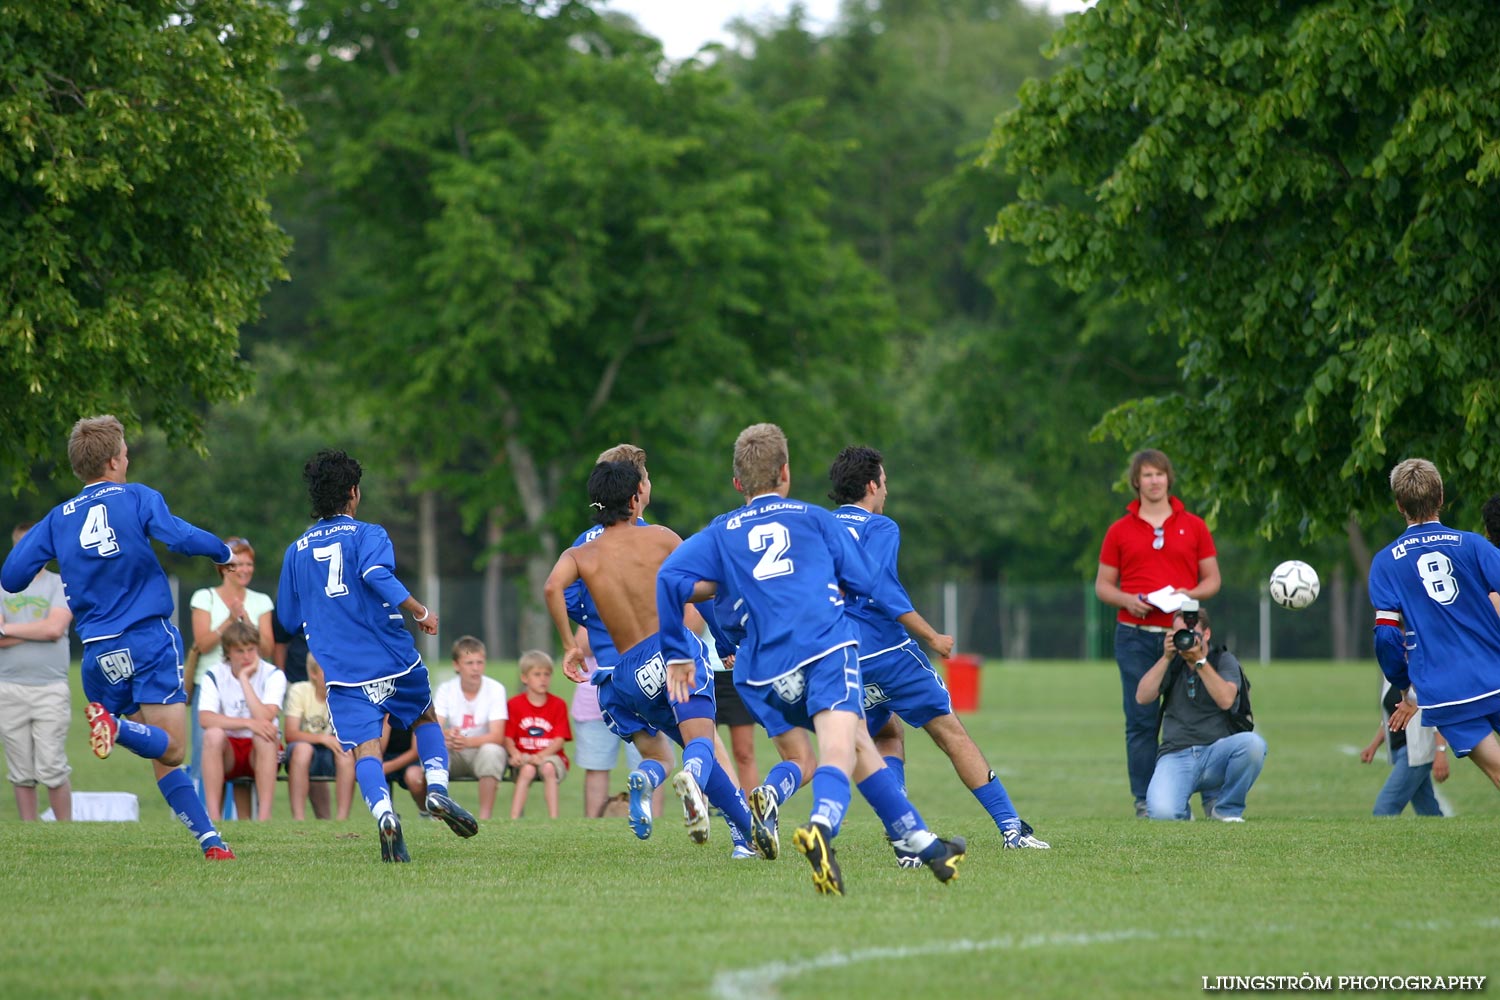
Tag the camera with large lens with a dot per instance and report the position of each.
(1185, 639)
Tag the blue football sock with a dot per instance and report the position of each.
(698, 760)
(785, 778)
(142, 740)
(830, 789)
(722, 793)
(654, 772)
(434, 753)
(177, 788)
(896, 812)
(898, 768)
(371, 779)
(992, 796)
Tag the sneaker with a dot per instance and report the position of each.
(459, 819)
(764, 810)
(1226, 819)
(392, 844)
(1140, 809)
(944, 864)
(743, 852)
(219, 854)
(640, 803)
(813, 842)
(102, 729)
(905, 856)
(1021, 836)
(694, 809)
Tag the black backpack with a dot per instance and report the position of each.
(1239, 716)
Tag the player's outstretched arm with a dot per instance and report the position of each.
(555, 593)
(178, 535)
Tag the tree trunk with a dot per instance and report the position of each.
(427, 556)
(1338, 613)
(537, 497)
(493, 619)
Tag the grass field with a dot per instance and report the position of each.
(1309, 884)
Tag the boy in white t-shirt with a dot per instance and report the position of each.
(237, 708)
(313, 751)
(471, 709)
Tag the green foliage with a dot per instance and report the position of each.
(1303, 196)
(544, 240)
(139, 140)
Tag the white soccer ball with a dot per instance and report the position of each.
(1294, 584)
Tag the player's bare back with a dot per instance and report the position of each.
(619, 568)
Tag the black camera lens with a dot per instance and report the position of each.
(1184, 639)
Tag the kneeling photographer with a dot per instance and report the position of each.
(1207, 745)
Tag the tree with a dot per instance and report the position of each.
(1304, 196)
(544, 240)
(139, 140)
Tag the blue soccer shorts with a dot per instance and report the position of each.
(359, 710)
(831, 683)
(140, 666)
(633, 696)
(901, 682)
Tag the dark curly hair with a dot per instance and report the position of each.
(1491, 515)
(855, 468)
(611, 487)
(330, 475)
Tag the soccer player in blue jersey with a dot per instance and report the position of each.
(619, 567)
(122, 608)
(900, 684)
(339, 585)
(791, 563)
(1432, 586)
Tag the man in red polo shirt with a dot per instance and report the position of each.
(1156, 545)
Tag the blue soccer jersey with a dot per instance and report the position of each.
(790, 562)
(101, 540)
(880, 537)
(338, 583)
(1439, 581)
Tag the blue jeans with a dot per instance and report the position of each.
(1135, 652)
(1407, 784)
(1225, 769)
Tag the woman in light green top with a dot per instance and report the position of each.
(231, 600)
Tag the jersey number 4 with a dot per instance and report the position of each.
(333, 555)
(96, 532)
(773, 540)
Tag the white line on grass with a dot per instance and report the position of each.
(760, 981)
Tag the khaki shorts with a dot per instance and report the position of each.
(558, 764)
(487, 761)
(34, 725)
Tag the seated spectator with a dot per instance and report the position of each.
(1200, 750)
(399, 760)
(1418, 756)
(471, 709)
(34, 711)
(290, 652)
(238, 706)
(312, 749)
(535, 733)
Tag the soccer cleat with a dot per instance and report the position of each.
(640, 803)
(1021, 836)
(743, 852)
(102, 729)
(763, 821)
(694, 808)
(392, 844)
(813, 842)
(905, 856)
(459, 819)
(219, 854)
(944, 862)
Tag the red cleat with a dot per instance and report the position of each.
(102, 729)
(219, 854)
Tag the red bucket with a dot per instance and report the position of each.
(963, 682)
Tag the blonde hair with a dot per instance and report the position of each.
(534, 659)
(93, 442)
(465, 645)
(759, 453)
(625, 453)
(1418, 488)
(238, 633)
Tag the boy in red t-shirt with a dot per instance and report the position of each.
(535, 732)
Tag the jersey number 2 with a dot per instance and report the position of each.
(96, 532)
(773, 539)
(333, 555)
